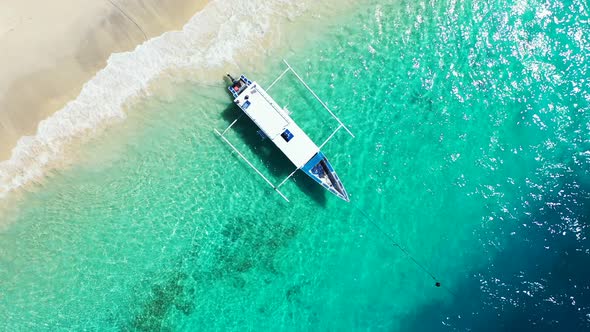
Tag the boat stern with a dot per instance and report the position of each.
(238, 85)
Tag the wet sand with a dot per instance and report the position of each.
(50, 49)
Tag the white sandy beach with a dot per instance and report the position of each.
(79, 70)
(50, 49)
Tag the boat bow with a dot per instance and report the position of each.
(322, 172)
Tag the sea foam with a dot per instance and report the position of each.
(214, 37)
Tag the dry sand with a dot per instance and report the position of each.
(49, 49)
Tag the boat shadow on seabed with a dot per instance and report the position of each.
(277, 163)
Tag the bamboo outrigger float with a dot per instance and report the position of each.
(279, 127)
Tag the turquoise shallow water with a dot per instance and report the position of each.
(472, 152)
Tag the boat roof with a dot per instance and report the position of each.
(276, 124)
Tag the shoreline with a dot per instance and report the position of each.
(211, 42)
(51, 50)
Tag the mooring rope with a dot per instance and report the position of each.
(437, 283)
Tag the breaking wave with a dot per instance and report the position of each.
(211, 39)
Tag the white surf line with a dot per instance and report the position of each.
(213, 38)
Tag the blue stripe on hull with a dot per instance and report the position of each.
(319, 168)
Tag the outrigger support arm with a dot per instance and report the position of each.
(316, 96)
(278, 78)
(250, 164)
(332, 135)
(287, 178)
(232, 124)
(289, 68)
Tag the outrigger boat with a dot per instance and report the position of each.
(276, 124)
